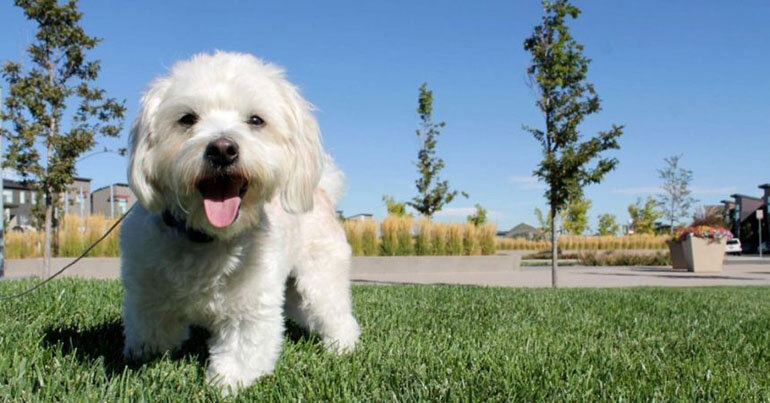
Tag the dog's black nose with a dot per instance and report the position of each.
(222, 152)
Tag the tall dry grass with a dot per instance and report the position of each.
(369, 244)
(423, 244)
(75, 235)
(470, 240)
(438, 238)
(486, 235)
(22, 245)
(354, 234)
(454, 243)
(389, 236)
(404, 236)
(608, 242)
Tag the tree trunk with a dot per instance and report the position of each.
(554, 255)
(47, 238)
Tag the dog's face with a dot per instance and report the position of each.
(218, 136)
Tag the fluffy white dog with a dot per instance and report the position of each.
(235, 223)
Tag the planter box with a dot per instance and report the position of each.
(697, 254)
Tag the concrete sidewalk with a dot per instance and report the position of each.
(477, 271)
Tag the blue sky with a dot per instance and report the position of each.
(683, 77)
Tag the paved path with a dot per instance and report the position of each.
(737, 271)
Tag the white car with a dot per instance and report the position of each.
(734, 246)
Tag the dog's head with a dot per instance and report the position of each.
(219, 135)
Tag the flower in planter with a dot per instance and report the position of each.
(703, 231)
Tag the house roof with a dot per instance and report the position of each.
(12, 184)
(367, 215)
(118, 185)
(743, 196)
(523, 228)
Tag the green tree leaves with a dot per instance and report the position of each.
(558, 75)
(432, 192)
(607, 225)
(675, 201)
(59, 76)
(478, 218)
(644, 216)
(575, 217)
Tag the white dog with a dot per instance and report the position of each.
(235, 223)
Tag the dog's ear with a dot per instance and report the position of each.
(305, 155)
(141, 141)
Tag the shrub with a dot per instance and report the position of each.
(74, 236)
(423, 244)
(369, 238)
(353, 232)
(22, 245)
(404, 237)
(643, 241)
(486, 234)
(611, 258)
(389, 236)
(71, 241)
(95, 226)
(470, 240)
(455, 240)
(438, 238)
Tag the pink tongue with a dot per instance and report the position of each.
(221, 213)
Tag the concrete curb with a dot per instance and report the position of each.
(363, 266)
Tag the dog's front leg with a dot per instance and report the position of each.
(246, 346)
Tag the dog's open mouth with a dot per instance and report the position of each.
(222, 196)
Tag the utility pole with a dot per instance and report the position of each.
(760, 216)
(112, 202)
(2, 206)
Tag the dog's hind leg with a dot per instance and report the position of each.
(318, 297)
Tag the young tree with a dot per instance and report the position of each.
(675, 201)
(543, 223)
(60, 78)
(558, 74)
(394, 208)
(644, 216)
(607, 225)
(479, 217)
(432, 192)
(575, 220)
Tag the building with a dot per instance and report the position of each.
(19, 197)
(77, 199)
(359, 217)
(113, 200)
(522, 230)
(741, 213)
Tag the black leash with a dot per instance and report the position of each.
(82, 255)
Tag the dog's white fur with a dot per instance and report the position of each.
(286, 251)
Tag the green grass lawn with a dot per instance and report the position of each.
(420, 343)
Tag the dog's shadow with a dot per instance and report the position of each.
(104, 342)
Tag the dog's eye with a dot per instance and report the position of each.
(188, 119)
(255, 120)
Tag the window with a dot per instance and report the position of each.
(8, 196)
(33, 197)
(22, 197)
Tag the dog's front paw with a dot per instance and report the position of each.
(344, 338)
(135, 352)
(229, 376)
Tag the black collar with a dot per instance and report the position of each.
(181, 227)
